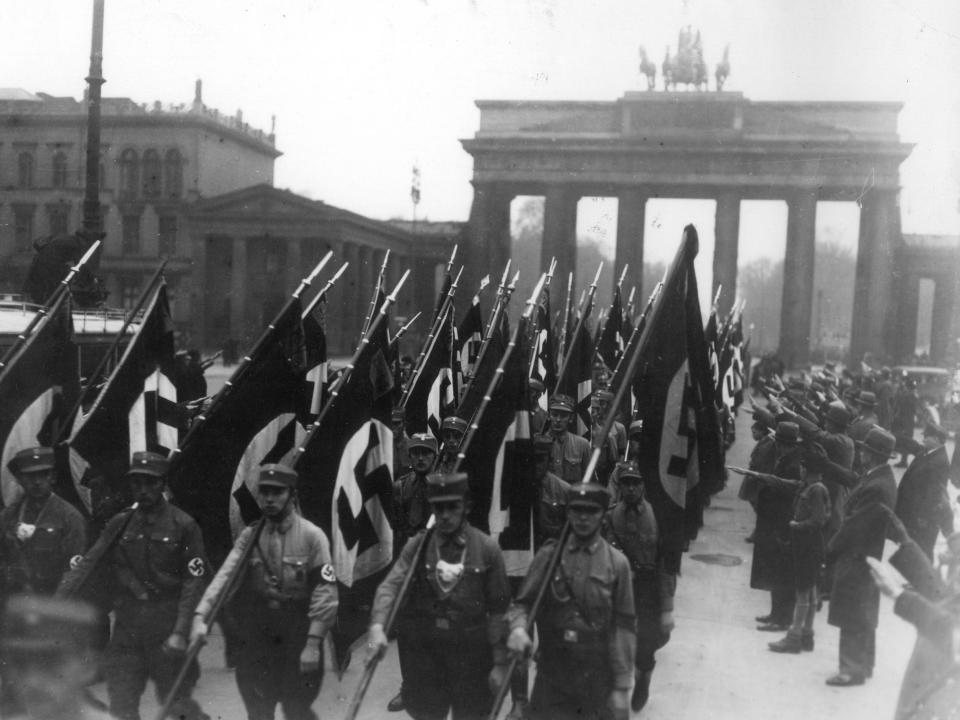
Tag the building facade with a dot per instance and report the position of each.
(193, 186)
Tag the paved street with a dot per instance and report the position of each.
(716, 665)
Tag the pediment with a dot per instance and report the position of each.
(261, 202)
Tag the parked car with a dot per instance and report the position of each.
(933, 383)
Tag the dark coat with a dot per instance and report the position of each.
(922, 501)
(762, 459)
(840, 450)
(772, 550)
(855, 599)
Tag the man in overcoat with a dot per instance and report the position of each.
(922, 501)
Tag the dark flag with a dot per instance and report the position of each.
(469, 338)
(577, 378)
(483, 372)
(431, 397)
(347, 485)
(500, 457)
(543, 361)
(712, 338)
(39, 384)
(250, 422)
(317, 377)
(680, 444)
(611, 342)
(731, 366)
(136, 409)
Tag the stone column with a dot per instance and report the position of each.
(631, 221)
(488, 236)
(798, 262)
(196, 281)
(941, 331)
(560, 235)
(873, 284)
(908, 295)
(238, 292)
(727, 234)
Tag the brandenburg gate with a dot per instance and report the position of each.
(719, 146)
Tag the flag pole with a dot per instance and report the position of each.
(584, 311)
(376, 293)
(623, 274)
(567, 310)
(630, 301)
(402, 331)
(378, 320)
(536, 318)
(329, 284)
(247, 359)
(54, 299)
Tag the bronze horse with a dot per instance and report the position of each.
(648, 69)
(723, 69)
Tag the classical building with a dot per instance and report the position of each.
(936, 258)
(719, 146)
(194, 186)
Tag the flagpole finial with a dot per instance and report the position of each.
(506, 274)
(326, 286)
(596, 278)
(453, 256)
(307, 281)
(716, 297)
(535, 296)
(392, 297)
(623, 274)
(513, 283)
(456, 280)
(86, 256)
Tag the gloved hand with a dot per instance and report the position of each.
(619, 703)
(496, 678)
(199, 630)
(176, 644)
(376, 640)
(310, 657)
(519, 642)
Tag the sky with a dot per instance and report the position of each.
(362, 91)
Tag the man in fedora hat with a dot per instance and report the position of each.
(159, 569)
(854, 602)
(451, 622)
(571, 453)
(771, 567)
(867, 417)
(922, 501)
(288, 601)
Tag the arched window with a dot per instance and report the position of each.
(59, 170)
(151, 174)
(173, 170)
(25, 170)
(129, 174)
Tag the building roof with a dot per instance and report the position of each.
(17, 94)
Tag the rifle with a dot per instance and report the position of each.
(583, 313)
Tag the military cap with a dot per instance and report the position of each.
(422, 440)
(454, 423)
(636, 428)
(278, 475)
(867, 399)
(536, 385)
(563, 403)
(32, 459)
(787, 433)
(934, 430)
(34, 624)
(148, 463)
(444, 487)
(630, 470)
(588, 495)
(542, 445)
(837, 414)
(879, 442)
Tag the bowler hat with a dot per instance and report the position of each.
(444, 487)
(562, 403)
(867, 399)
(32, 459)
(879, 442)
(148, 463)
(422, 440)
(588, 495)
(453, 423)
(934, 430)
(277, 475)
(787, 433)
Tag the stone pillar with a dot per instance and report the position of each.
(631, 221)
(488, 236)
(727, 234)
(798, 263)
(238, 292)
(941, 331)
(873, 283)
(908, 306)
(348, 287)
(560, 236)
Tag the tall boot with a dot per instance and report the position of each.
(641, 689)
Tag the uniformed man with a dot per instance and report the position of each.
(551, 494)
(452, 620)
(159, 568)
(412, 510)
(603, 398)
(586, 624)
(632, 528)
(570, 454)
(47, 649)
(401, 460)
(452, 430)
(612, 449)
(41, 532)
(287, 604)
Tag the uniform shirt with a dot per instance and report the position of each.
(633, 530)
(551, 508)
(291, 562)
(158, 557)
(411, 508)
(39, 562)
(569, 456)
(597, 576)
(481, 594)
